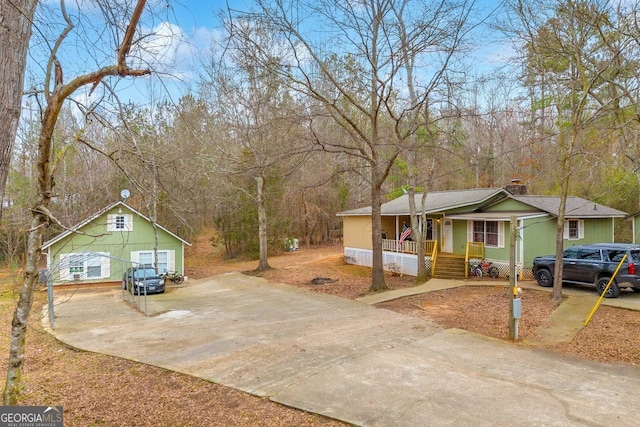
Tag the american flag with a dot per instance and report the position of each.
(404, 235)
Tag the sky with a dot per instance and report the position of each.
(197, 21)
(182, 38)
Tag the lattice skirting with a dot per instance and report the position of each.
(392, 261)
(503, 269)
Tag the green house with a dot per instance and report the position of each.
(102, 247)
(462, 219)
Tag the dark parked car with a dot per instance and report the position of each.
(143, 279)
(594, 265)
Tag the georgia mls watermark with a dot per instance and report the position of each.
(31, 416)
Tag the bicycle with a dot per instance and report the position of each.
(174, 276)
(482, 267)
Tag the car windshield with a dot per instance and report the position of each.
(145, 273)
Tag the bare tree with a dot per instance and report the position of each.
(16, 18)
(265, 139)
(565, 47)
(349, 59)
(56, 91)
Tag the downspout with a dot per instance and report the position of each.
(444, 216)
(520, 244)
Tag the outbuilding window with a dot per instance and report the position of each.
(166, 259)
(120, 222)
(85, 265)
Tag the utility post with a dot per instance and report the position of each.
(515, 307)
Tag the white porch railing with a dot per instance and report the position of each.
(407, 247)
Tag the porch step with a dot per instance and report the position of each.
(449, 266)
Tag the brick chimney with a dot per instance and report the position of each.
(516, 187)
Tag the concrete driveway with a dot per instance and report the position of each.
(346, 359)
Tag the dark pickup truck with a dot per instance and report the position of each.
(594, 265)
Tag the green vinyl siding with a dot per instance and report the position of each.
(118, 244)
(540, 236)
(596, 231)
(510, 205)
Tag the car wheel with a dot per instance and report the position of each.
(493, 272)
(544, 278)
(612, 292)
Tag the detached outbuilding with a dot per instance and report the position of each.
(475, 223)
(103, 246)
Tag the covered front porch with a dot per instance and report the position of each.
(402, 258)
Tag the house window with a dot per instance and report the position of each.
(478, 231)
(146, 258)
(573, 229)
(487, 232)
(429, 234)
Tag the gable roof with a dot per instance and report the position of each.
(576, 207)
(442, 201)
(437, 201)
(98, 214)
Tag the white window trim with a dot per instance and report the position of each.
(105, 266)
(171, 257)
(580, 229)
(500, 232)
(111, 222)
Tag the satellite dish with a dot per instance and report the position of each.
(125, 194)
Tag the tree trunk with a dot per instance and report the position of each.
(565, 165)
(15, 31)
(40, 212)
(21, 314)
(263, 264)
(556, 295)
(40, 219)
(378, 282)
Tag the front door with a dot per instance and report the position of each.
(447, 235)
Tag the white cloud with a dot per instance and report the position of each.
(158, 48)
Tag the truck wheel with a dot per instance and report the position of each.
(544, 278)
(612, 292)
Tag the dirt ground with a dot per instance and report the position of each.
(96, 389)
